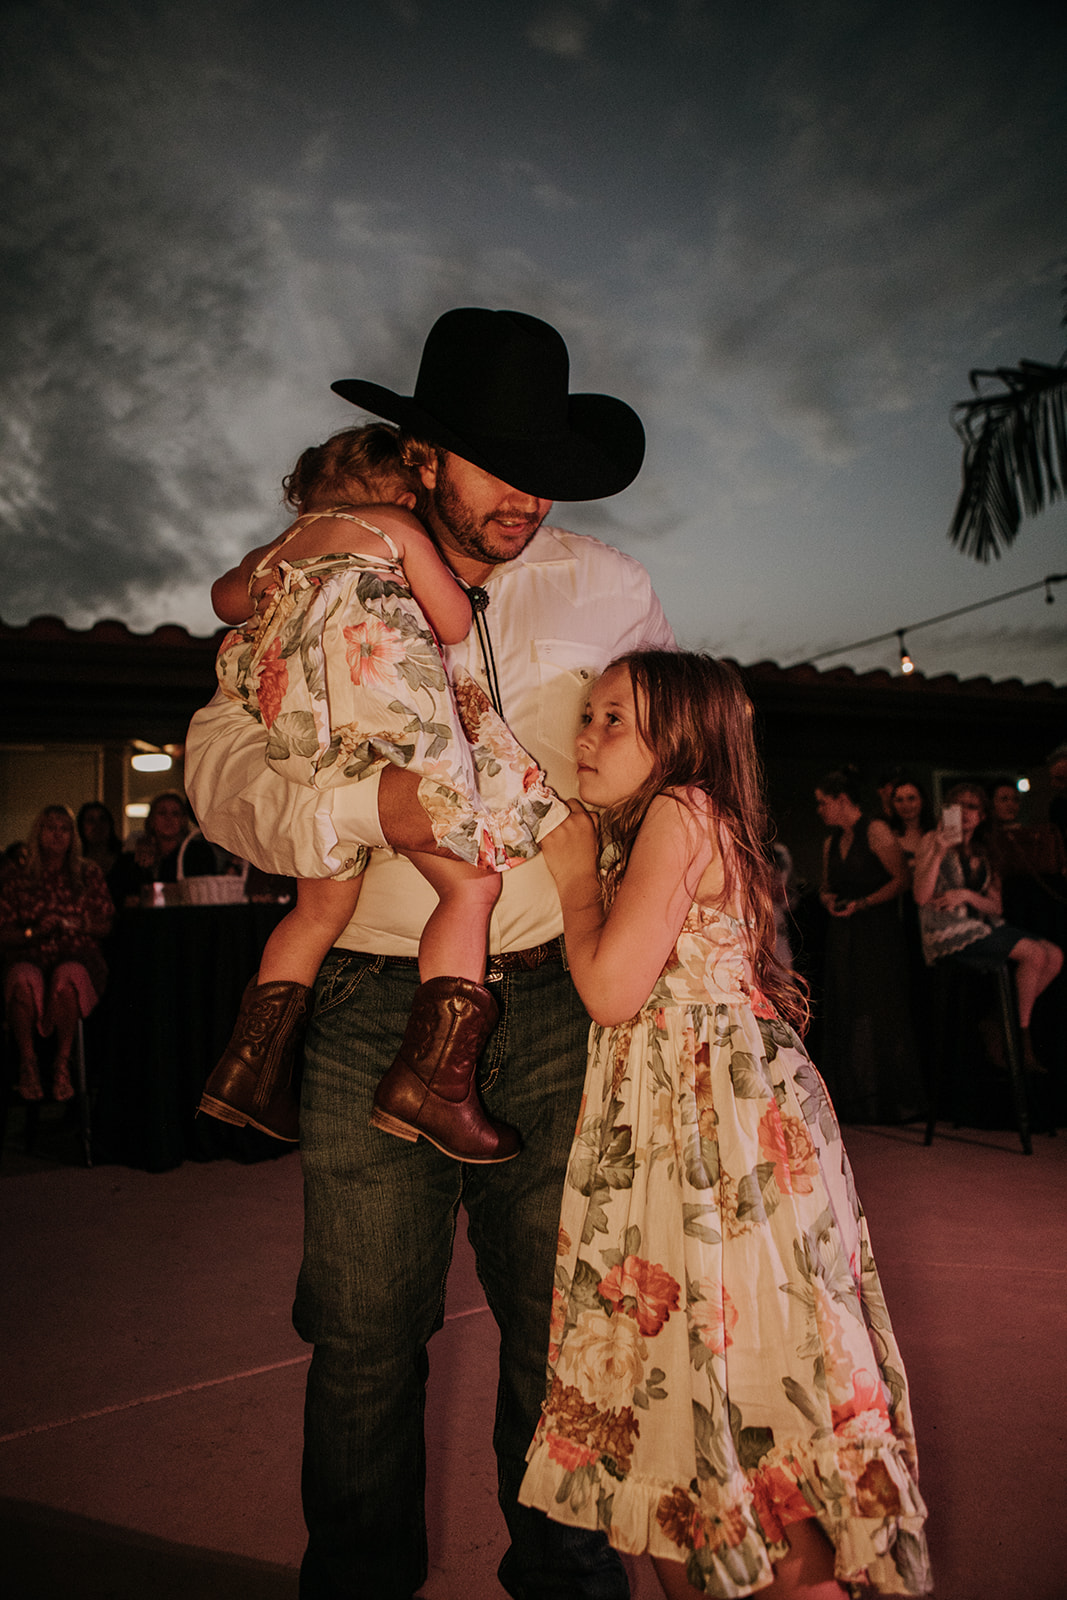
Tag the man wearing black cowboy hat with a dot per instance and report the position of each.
(496, 437)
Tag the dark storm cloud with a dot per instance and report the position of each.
(784, 233)
(890, 190)
(124, 317)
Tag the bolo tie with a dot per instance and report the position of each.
(479, 600)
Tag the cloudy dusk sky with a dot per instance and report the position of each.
(784, 232)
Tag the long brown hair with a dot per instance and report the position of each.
(697, 721)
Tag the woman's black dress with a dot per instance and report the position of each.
(869, 1056)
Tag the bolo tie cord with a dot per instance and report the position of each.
(479, 604)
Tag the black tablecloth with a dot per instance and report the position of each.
(177, 976)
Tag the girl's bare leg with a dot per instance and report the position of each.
(404, 822)
(456, 936)
(806, 1573)
(296, 949)
(455, 939)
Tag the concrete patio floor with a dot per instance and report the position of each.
(150, 1411)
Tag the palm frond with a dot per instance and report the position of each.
(1014, 456)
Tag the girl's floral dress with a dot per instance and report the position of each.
(721, 1361)
(343, 670)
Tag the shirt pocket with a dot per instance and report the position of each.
(565, 669)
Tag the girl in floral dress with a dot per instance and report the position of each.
(340, 663)
(724, 1389)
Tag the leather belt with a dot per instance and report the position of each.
(541, 955)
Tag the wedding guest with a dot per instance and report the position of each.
(869, 1054)
(1057, 777)
(54, 911)
(887, 782)
(14, 856)
(912, 816)
(1025, 856)
(169, 849)
(961, 912)
(1004, 803)
(96, 830)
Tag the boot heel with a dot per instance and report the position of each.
(388, 1124)
(256, 1081)
(430, 1087)
(222, 1113)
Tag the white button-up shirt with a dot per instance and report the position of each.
(557, 615)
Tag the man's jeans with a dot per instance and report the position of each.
(379, 1224)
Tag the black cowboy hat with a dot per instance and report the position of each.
(492, 388)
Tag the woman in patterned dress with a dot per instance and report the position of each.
(54, 911)
(340, 663)
(724, 1389)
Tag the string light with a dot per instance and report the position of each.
(927, 622)
(906, 663)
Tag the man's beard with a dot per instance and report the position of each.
(443, 508)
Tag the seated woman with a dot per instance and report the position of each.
(960, 911)
(170, 848)
(54, 910)
(96, 830)
(1034, 851)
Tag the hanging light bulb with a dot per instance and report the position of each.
(906, 663)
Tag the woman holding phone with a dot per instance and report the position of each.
(960, 911)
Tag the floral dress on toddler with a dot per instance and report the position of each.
(343, 670)
(721, 1363)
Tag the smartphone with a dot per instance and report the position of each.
(952, 824)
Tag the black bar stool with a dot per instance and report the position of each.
(32, 1108)
(952, 990)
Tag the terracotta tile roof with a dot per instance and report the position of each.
(53, 630)
(48, 630)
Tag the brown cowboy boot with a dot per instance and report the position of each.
(256, 1080)
(430, 1088)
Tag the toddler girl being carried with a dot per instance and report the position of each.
(340, 663)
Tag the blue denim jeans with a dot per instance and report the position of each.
(380, 1218)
